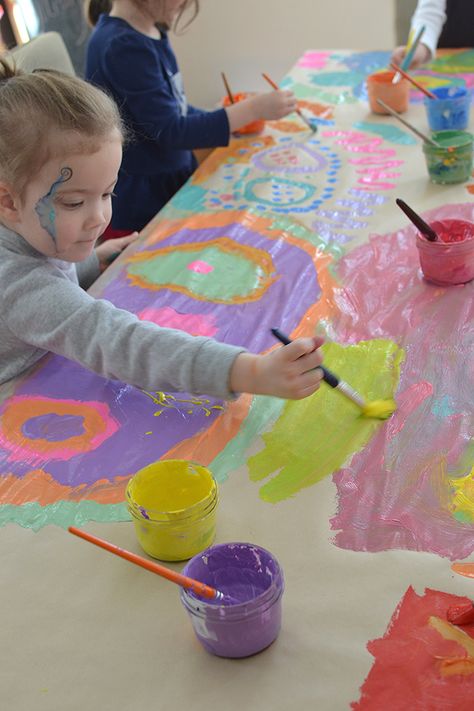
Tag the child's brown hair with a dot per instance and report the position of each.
(95, 8)
(35, 108)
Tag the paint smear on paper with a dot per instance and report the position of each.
(316, 436)
(463, 498)
(392, 134)
(398, 492)
(422, 662)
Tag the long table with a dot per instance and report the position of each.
(296, 230)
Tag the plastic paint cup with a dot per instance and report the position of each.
(249, 574)
(450, 110)
(380, 86)
(173, 505)
(449, 260)
(255, 126)
(451, 161)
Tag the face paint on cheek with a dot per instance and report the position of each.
(44, 208)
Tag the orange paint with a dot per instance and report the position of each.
(221, 156)
(39, 486)
(380, 86)
(253, 127)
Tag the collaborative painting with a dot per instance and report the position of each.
(280, 229)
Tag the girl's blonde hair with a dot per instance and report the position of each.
(95, 8)
(36, 108)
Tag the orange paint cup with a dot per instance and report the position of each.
(380, 86)
(255, 126)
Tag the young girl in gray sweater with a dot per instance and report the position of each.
(60, 152)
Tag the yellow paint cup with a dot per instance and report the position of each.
(173, 505)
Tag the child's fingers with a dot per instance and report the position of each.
(123, 242)
(300, 347)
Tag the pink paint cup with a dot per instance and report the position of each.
(396, 96)
(449, 260)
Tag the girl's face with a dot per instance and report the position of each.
(67, 206)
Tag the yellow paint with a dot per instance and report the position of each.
(173, 505)
(462, 503)
(455, 665)
(379, 409)
(316, 436)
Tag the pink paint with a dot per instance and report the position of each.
(199, 266)
(410, 658)
(450, 259)
(396, 493)
(374, 178)
(407, 402)
(314, 60)
(194, 324)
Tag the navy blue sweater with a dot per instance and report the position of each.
(142, 75)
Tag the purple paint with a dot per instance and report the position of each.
(53, 427)
(249, 575)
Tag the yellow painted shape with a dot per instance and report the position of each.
(463, 499)
(449, 666)
(316, 436)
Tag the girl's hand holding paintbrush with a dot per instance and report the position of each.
(269, 106)
(285, 372)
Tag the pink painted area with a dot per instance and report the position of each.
(407, 674)
(314, 60)
(407, 402)
(375, 168)
(195, 324)
(396, 493)
(200, 267)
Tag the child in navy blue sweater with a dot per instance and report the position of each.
(129, 55)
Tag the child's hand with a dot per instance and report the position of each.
(112, 248)
(269, 106)
(289, 372)
(421, 56)
(274, 104)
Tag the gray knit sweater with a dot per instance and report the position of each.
(43, 307)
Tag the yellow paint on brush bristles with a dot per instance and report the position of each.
(379, 409)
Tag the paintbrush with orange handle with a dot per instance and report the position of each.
(227, 88)
(298, 111)
(198, 588)
(413, 81)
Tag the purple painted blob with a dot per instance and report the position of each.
(251, 621)
(53, 427)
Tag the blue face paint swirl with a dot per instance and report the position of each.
(44, 208)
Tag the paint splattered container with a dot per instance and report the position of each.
(380, 86)
(173, 506)
(449, 260)
(451, 160)
(252, 577)
(254, 126)
(450, 109)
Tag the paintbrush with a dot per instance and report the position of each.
(396, 115)
(198, 588)
(380, 409)
(227, 88)
(412, 49)
(418, 221)
(409, 78)
(298, 111)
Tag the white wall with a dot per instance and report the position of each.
(245, 37)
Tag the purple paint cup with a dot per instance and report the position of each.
(251, 576)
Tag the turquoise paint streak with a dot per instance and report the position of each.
(393, 134)
(264, 411)
(62, 513)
